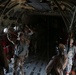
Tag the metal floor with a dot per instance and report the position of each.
(36, 67)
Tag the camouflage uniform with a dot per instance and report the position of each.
(71, 53)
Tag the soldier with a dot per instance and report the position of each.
(71, 53)
(58, 62)
(22, 52)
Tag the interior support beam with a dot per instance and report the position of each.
(63, 16)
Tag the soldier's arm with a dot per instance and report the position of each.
(50, 65)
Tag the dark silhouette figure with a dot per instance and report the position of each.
(3, 62)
